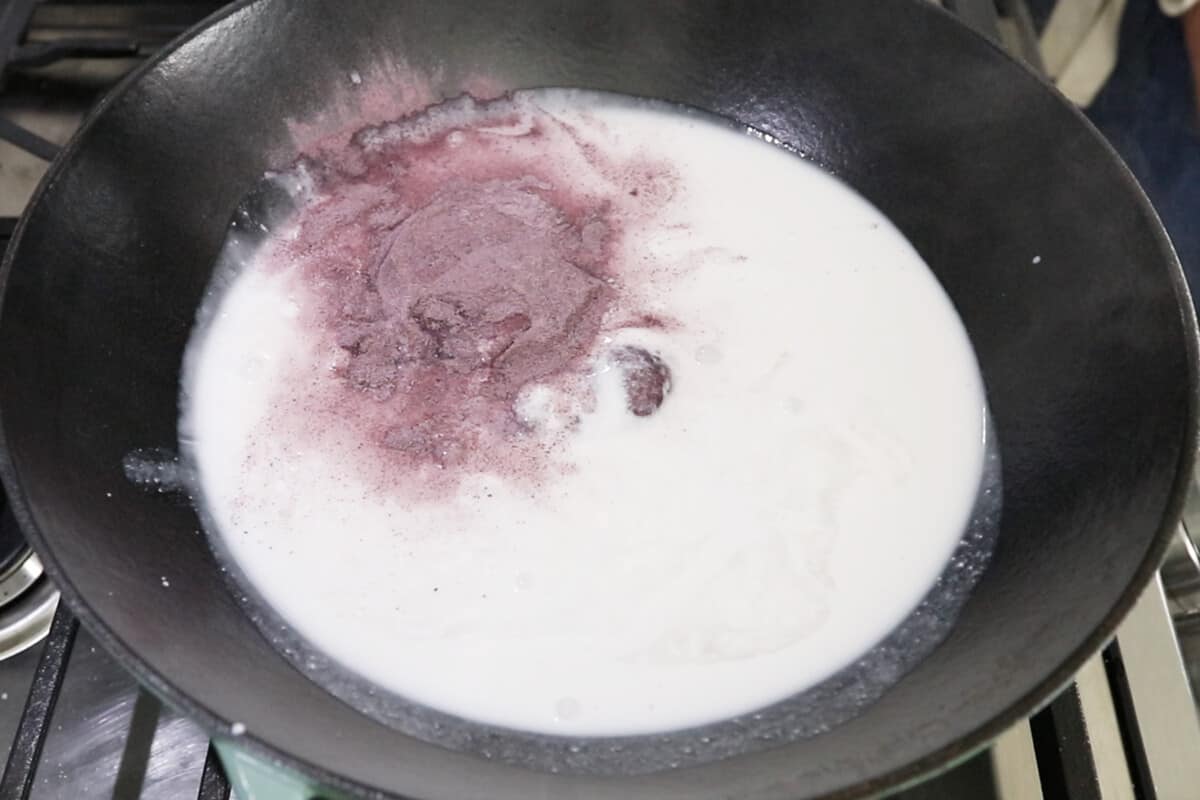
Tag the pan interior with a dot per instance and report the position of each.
(270, 207)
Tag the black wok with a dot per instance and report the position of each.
(1089, 356)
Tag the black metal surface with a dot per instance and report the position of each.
(977, 186)
(981, 15)
(1064, 758)
(27, 140)
(14, 17)
(1024, 43)
(213, 783)
(135, 758)
(149, 22)
(103, 30)
(1127, 721)
(19, 772)
(39, 54)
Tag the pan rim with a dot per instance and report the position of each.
(916, 771)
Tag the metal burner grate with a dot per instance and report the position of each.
(24, 758)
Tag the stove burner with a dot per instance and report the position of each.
(27, 598)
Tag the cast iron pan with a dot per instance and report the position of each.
(1089, 356)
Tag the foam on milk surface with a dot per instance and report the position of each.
(799, 490)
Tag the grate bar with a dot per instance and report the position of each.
(213, 783)
(14, 18)
(41, 54)
(27, 140)
(17, 780)
(1160, 698)
(981, 15)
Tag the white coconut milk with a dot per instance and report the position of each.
(789, 504)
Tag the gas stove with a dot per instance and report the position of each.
(74, 724)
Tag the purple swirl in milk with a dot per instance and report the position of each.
(455, 259)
